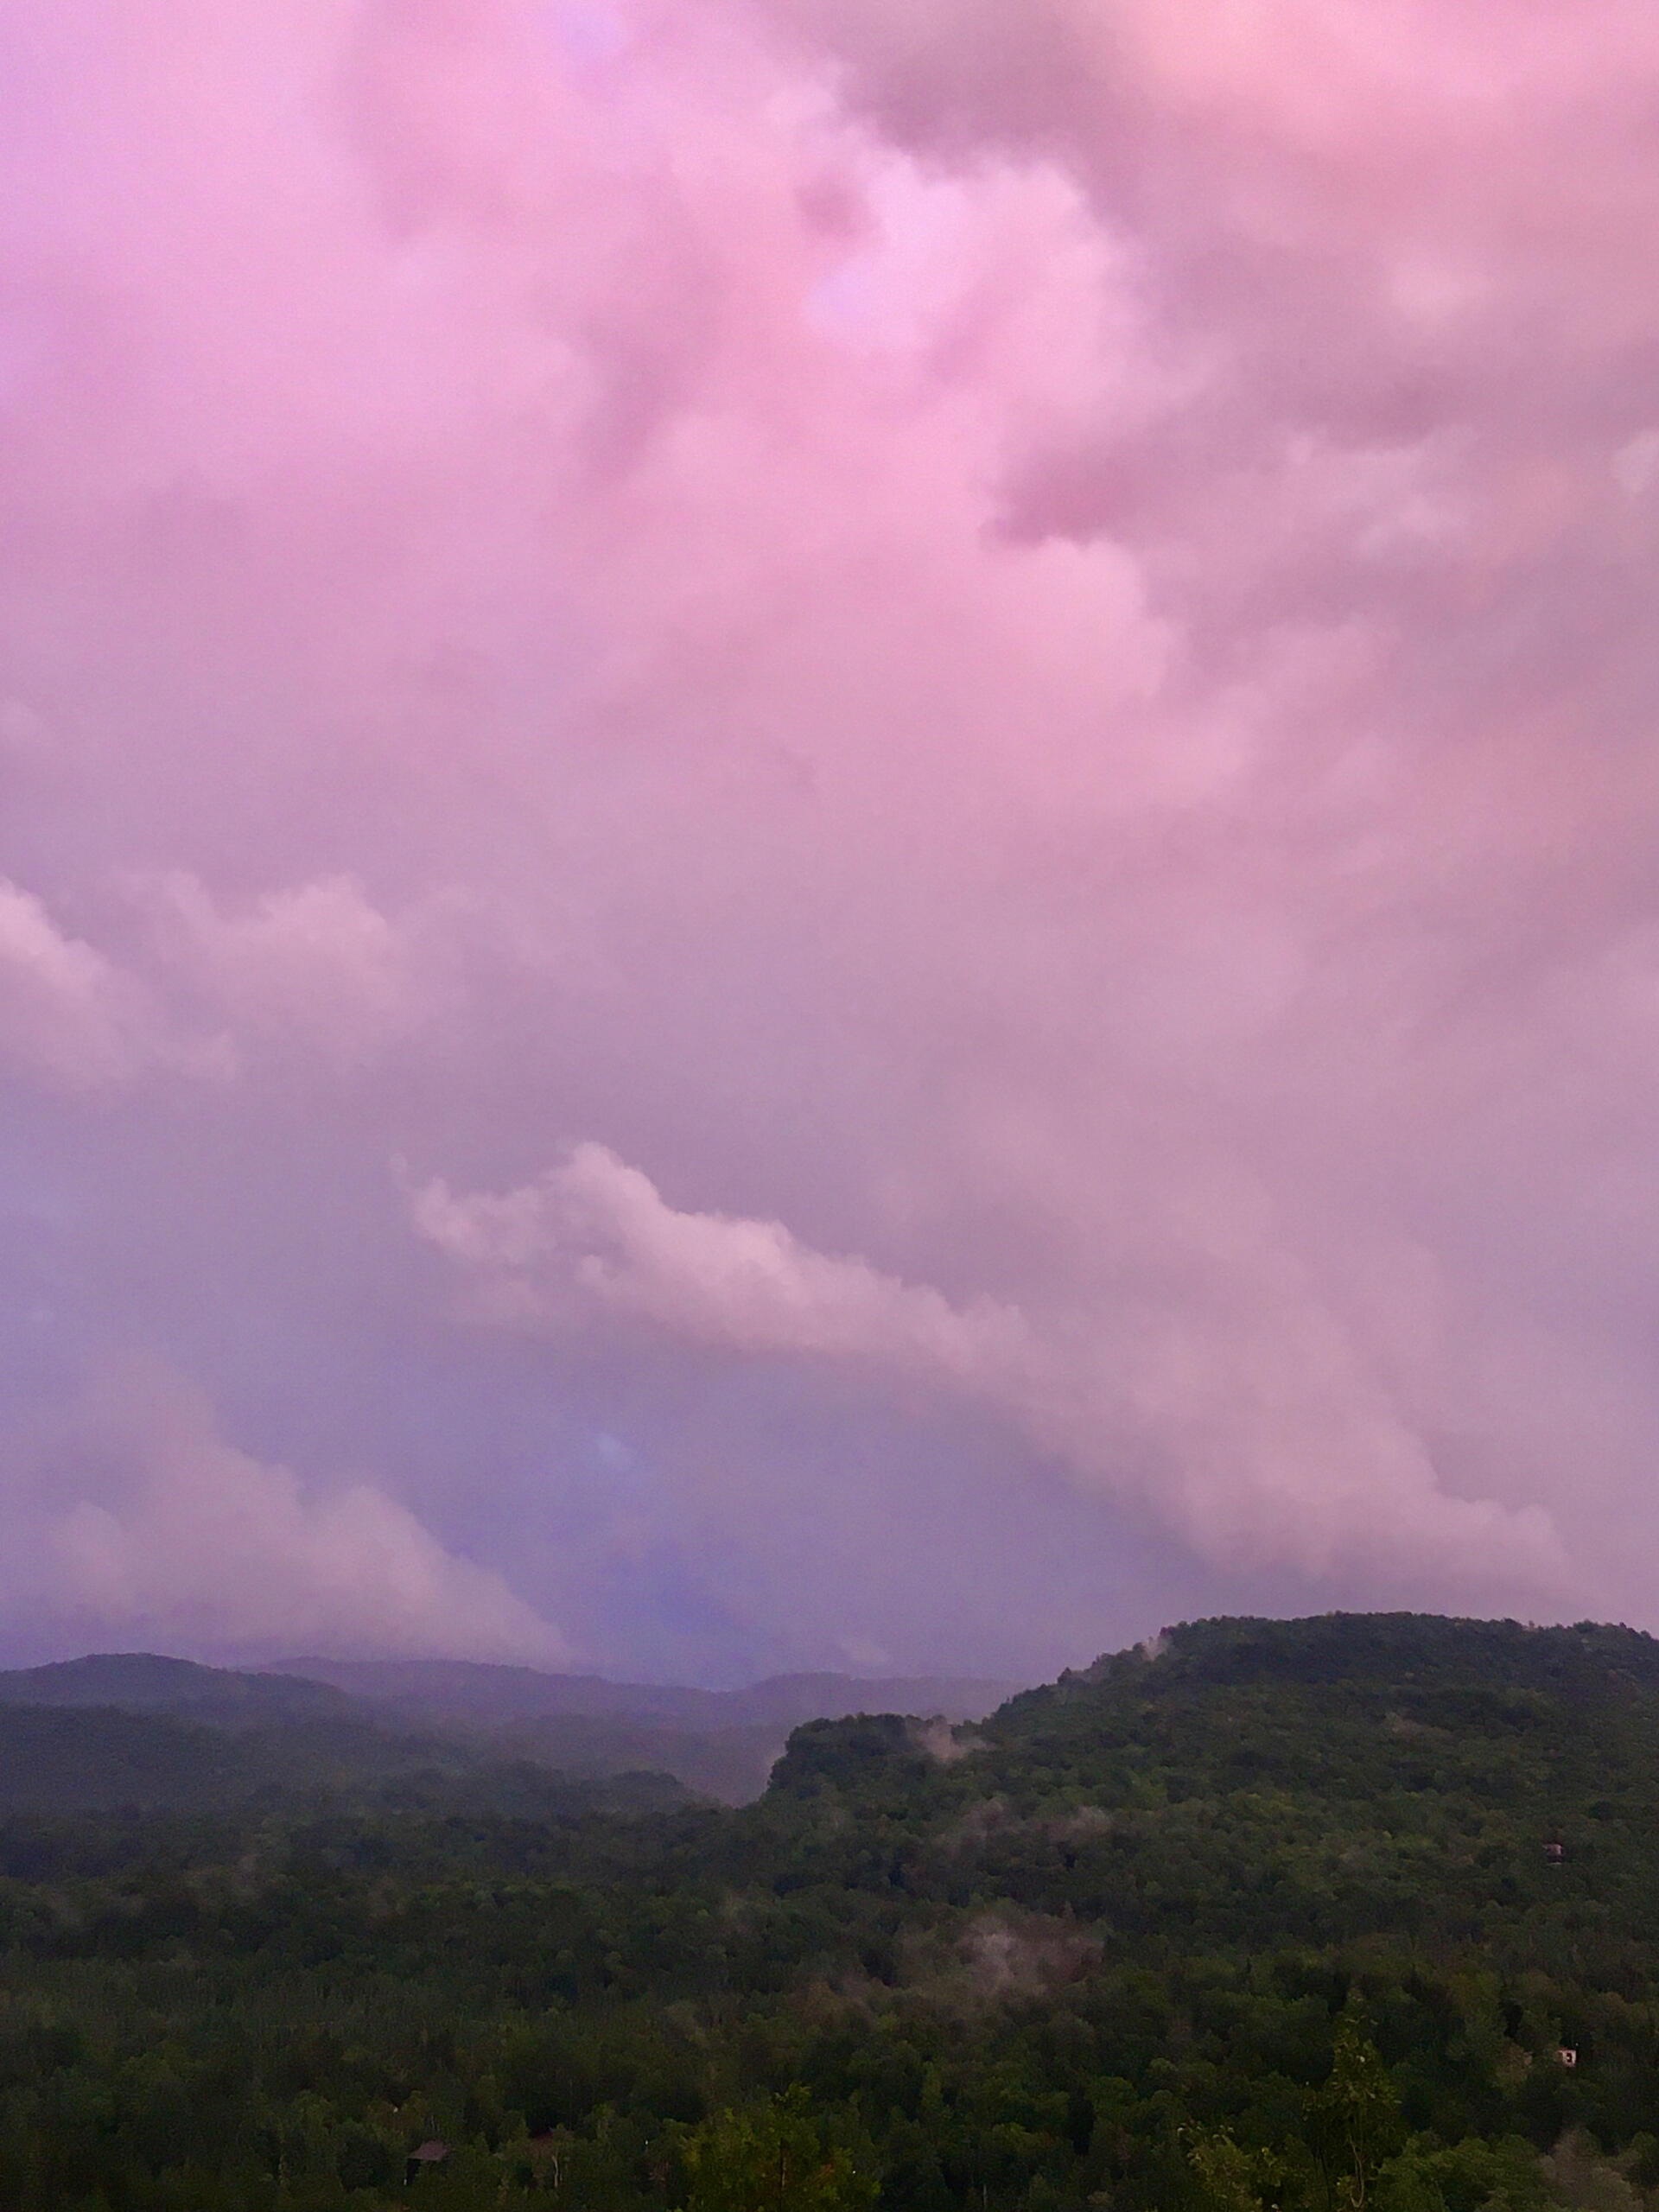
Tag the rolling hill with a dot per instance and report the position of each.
(160, 1733)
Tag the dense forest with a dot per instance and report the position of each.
(1310, 1916)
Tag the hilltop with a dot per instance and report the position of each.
(145, 1681)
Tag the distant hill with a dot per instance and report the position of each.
(729, 1764)
(721, 1743)
(144, 1681)
(62, 1759)
(466, 1690)
(138, 1729)
(69, 1757)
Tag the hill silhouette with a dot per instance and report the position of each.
(145, 1681)
(156, 1728)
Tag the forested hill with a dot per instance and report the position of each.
(144, 1681)
(1354, 1776)
(1308, 1917)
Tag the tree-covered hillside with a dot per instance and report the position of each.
(1298, 1916)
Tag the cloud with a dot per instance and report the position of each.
(316, 963)
(1015, 635)
(67, 1014)
(596, 1230)
(313, 968)
(1253, 1433)
(134, 1520)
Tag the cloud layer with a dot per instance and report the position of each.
(131, 1517)
(1269, 1441)
(1010, 639)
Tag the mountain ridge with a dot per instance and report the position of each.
(478, 1689)
(154, 1681)
(160, 1731)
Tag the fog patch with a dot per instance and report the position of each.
(942, 1742)
(1009, 1956)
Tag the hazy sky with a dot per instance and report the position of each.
(829, 829)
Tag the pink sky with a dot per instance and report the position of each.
(829, 829)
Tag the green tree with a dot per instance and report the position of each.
(771, 2157)
(1354, 2120)
(1231, 2179)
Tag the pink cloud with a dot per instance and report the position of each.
(66, 1015)
(142, 1524)
(596, 1232)
(1013, 636)
(317, 962)
(316, 967)
(1254, 1429)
